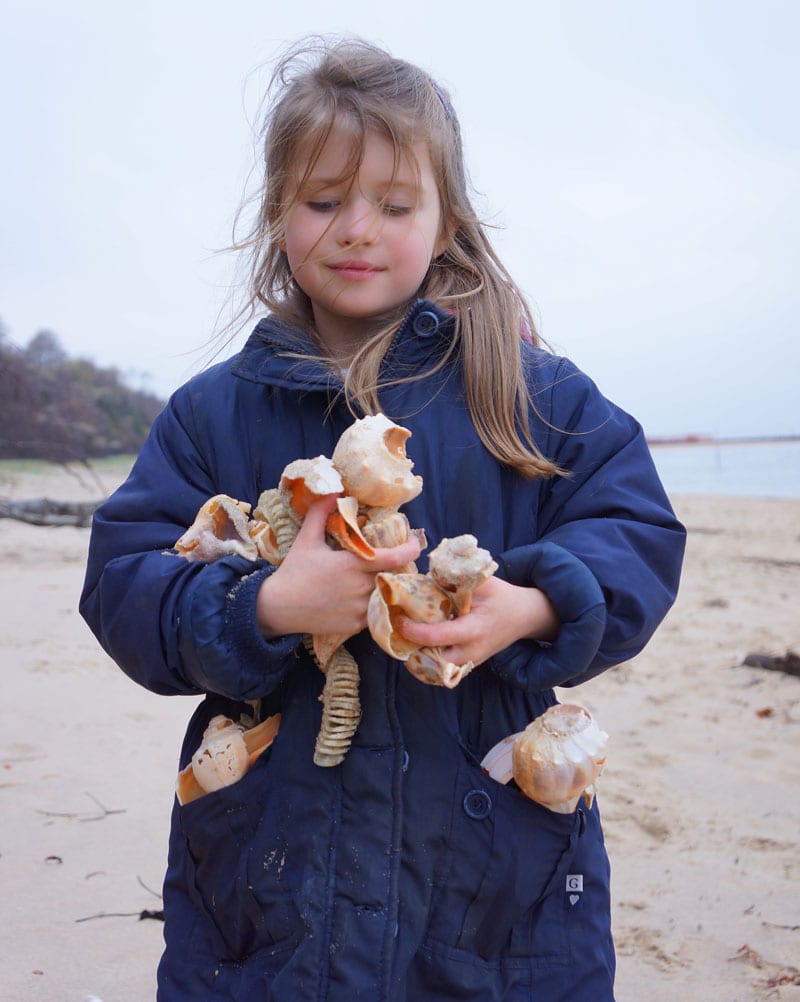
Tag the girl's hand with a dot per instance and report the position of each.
(319, 590)
(501, 614)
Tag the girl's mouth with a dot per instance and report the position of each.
(357, 271)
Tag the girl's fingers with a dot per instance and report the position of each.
(394, 557)
(312, 531)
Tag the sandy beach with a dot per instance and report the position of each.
(699, 796)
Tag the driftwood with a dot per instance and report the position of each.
(45, 511)
(788, 662)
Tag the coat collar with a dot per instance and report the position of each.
(269, 356)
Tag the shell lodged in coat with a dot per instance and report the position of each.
(224, 755)
(555, 760)
(371, 459)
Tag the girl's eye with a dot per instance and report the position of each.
(397, 210)
(323, 206)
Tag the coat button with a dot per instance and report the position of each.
(425, 324)
(477, 804)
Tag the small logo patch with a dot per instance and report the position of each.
(574, 899)
(574, 883)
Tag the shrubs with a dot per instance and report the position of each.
(64, 409)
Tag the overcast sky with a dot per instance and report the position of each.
(639, 159)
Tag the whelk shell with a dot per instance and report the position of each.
(555, 760)
(371, 459)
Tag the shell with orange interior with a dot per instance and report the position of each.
(220, 529)
(457, 567)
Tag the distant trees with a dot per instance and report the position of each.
(64, 409)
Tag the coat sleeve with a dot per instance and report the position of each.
(174, 626)
(609, 547)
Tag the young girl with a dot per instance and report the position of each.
(405, 873)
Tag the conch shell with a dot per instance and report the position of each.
(220, 529)
(555, 760)
(370, 457)
(457, 567)
(224, 755)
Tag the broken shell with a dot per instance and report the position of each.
(429, 665)
(266, 540)
(344, 526)
(224, 756)
(307, 480)
(220, 529)
(397, 595)
(555, 760)
(371, 459)
(459, 566)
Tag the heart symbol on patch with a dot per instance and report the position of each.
(574, 899)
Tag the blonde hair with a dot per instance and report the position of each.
(356, 86)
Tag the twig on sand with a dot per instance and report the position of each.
(74, 816)
(146, 913)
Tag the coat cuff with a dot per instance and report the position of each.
(579, 603)
(230, 656)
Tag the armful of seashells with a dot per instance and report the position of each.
(370, 471)
(555, 761)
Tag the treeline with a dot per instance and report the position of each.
(66, 409)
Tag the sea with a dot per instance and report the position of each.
(757, 468)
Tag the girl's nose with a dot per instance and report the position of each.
(357, 223)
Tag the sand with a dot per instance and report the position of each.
(699, 796)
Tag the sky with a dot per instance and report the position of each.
(637, 161)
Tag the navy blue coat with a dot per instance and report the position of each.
(405, 873)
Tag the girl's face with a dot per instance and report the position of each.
(360, 247)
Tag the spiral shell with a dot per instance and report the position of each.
(555, 760)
